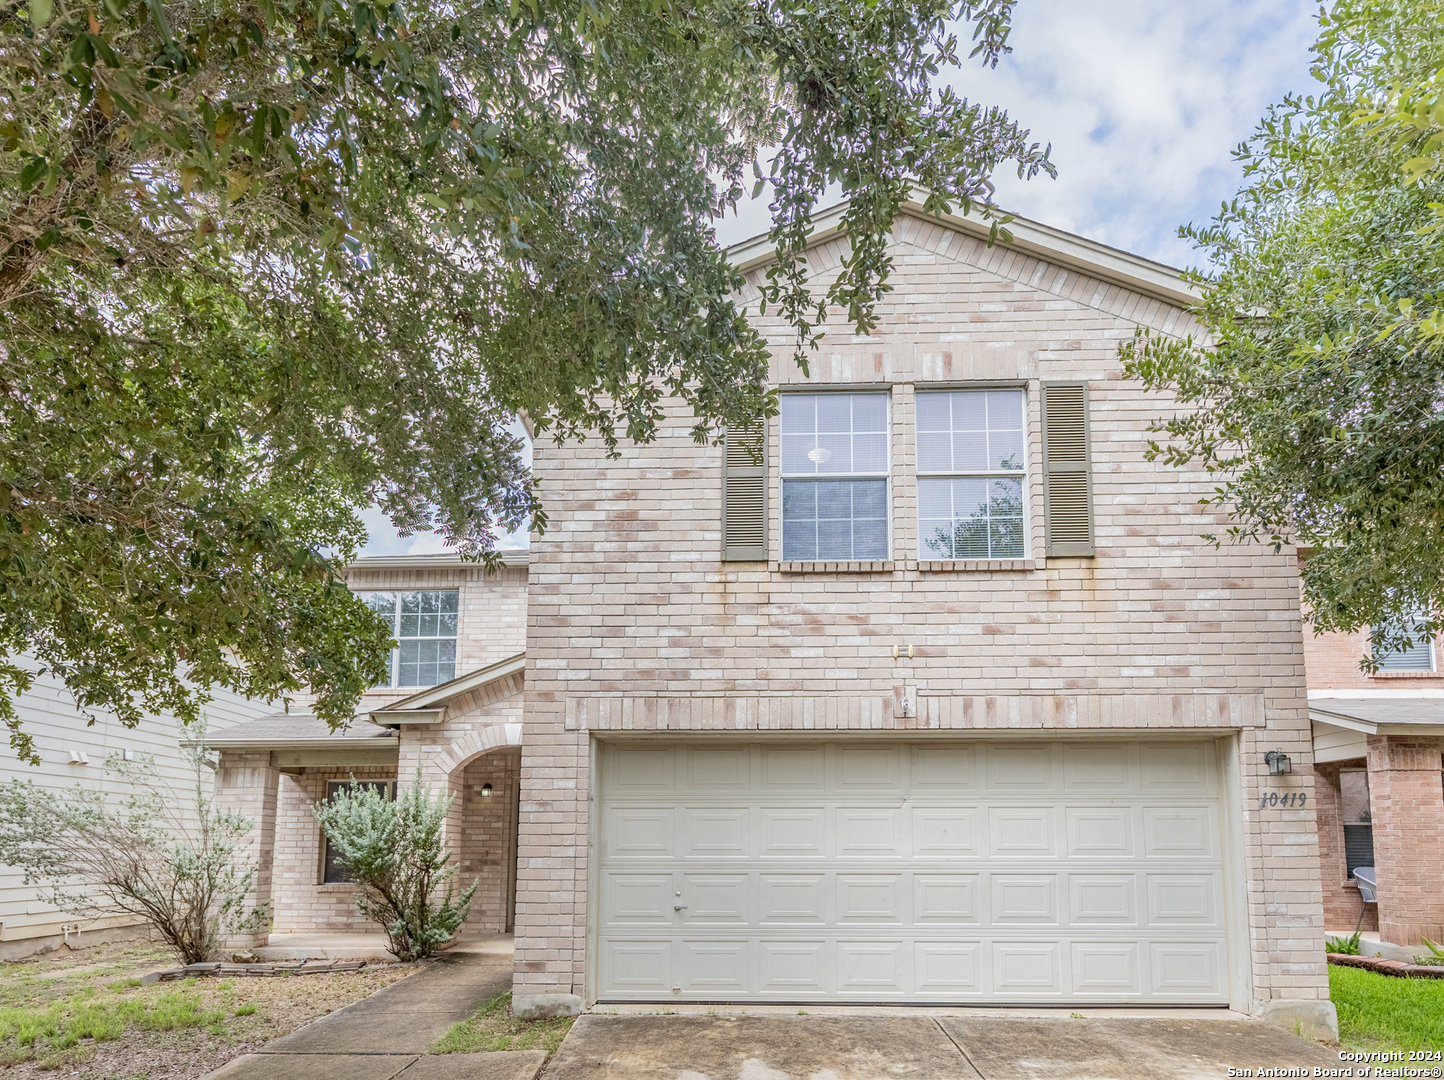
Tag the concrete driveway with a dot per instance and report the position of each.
(957, 1047)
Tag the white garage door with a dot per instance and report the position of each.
(926, 872)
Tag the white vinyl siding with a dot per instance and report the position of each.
(834, 465)
(424, 623)
(926, 872)
(971, 474)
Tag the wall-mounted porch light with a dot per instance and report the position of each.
(486, 791)
(1278, 763)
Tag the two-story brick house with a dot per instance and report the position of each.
(933, 694)
(927, 692)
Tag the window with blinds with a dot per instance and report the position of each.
(744, 494)
(1419, 656)
(1067, 476)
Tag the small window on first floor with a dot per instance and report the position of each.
(332, 872)
(1358, 822)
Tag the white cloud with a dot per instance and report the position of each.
(1143, 102)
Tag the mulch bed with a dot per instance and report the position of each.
(1388, 967)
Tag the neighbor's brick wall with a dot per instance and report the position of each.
(1332, 661)
(1342, 904)
(635, 623)
(1406, 797)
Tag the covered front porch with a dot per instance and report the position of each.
(1379, 789)
(463, 738)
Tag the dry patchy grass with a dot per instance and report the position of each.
(492, 1027)
(87, 1014)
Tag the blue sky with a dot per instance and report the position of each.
(1143, 102)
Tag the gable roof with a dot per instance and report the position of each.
(429, 706)
(1122, 268)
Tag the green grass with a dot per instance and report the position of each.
(53, 1032)
(492, 1027)
(1380, 1012)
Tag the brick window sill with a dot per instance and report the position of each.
(337, 886)
(1406, 675)
(973, 566)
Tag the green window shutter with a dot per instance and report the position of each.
(744, 494)
(1067, 476)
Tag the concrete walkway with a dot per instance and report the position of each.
(972, 1046)
(389, 1032)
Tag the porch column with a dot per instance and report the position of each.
(246, 783)
(1406, 796)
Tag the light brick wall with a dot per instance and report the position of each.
(1332, 662)
(1342, 903)
(635, 624)
(1406, 797)
(246, 784)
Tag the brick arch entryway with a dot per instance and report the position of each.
(483, 773)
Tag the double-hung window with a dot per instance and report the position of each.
(1418, 657)
(834, 464)
(971, 474)
(424, 625)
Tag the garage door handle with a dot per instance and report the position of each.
(679, 907)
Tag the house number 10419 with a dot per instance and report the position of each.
(1273, 798)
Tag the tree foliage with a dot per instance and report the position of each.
(165, 856)
(266, 262)
(395, 852)
(1317, 391)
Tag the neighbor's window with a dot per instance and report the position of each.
(971, 473)
(424, 625)
(834, 476)
(1418, 657)
(1358, 821)
(332, 873)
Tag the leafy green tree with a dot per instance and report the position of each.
(1315, 392)
(395, 852)
(160, 854)
(264, 263)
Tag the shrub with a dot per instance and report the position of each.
(167, 856)
(1348, 946)
(395, 853)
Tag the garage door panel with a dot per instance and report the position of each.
(930, 872)
(717, 832)
(1021, 831)
(1179, 832)
(875, 970)
(870, 833)
(944, 831)
(1027, 969)
(1020, 768)
(945, 899)
(1106, 969)
(793, 833)
(1024, 898)
(1103, 899)
(1100, 832)
(950, 769)
(871, 898)
(947, 969)
(794, 900)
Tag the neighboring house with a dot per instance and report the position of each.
(1379, 778)
(928, 691)
(931, 694)
(452, 706)
(73, 753)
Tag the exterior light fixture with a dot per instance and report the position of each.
(486, 790)
(1278, 763)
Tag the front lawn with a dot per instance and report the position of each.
(1380, 1012)
(87, 1013)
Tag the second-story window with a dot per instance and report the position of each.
(1418, 657)
(424, 625)
(971, 474)
(834, 461)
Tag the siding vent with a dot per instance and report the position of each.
(744, 494)
(1067, 478)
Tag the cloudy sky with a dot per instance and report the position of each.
(1142, 101)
